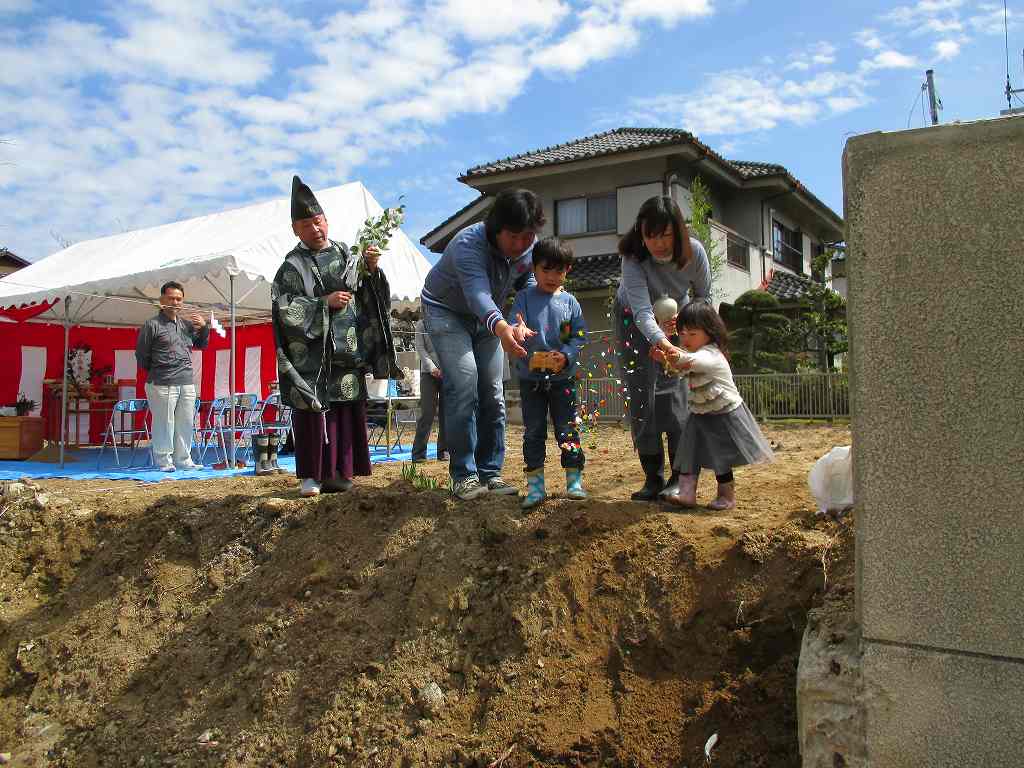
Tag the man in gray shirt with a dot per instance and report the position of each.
(164, 352)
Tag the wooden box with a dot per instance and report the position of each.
(20, 436)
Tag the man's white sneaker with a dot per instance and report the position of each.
(165, 467)
(309, 487)
(189, 465)
(499, 486)
(468, 488)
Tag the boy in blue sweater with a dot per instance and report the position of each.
(548, 322)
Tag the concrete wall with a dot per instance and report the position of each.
(936, 297)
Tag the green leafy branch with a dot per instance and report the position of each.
(376, 233)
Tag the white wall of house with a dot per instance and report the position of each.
(733, 281)
(630, 183)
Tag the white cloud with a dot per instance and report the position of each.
(869, 39)
(593, 41)
(820, 54)
(730, 103)
(15, 6)
(746, 102)
(888, 60)
(668, 12)
(162, 110)
(947, 49)
(189, 49)
(609, 28)
(989, 20)
(478, 20)
(910, 15)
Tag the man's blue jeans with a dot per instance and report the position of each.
(474, 399)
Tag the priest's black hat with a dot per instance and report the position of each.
(304, 204)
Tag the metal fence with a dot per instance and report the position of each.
(590, 393)
(768, 395)
(796, 395)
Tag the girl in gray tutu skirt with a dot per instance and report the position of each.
(720, 432)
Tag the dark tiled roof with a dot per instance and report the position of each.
(786, 286)
(623, 140)
(598, 145)
(6, 254)
(753, 170)
(589, 272)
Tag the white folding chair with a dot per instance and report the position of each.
(123, 419)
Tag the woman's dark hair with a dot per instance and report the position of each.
(654, 216)
(514, 210)
(169, 285)
(553, 253)
(700, 314)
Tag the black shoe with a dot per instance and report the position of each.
(419, 459)
(335, 485)
(654, 483)
(652, 487)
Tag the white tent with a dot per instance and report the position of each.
(225, 261)
(116, 280)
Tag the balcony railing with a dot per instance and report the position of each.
(790, 257)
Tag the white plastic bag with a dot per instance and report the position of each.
(831, 480)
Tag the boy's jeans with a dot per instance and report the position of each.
(174, 410)
(537, 398)
(474, 399)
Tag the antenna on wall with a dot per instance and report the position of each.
(1010, 91)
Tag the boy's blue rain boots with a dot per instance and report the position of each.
(574, 484)
(535, 493)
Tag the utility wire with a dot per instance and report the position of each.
(1006, 41)
(920, 97)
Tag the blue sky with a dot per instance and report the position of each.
(130, 114)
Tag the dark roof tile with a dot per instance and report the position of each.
(786, 286)
(598, 145)
(590, 272)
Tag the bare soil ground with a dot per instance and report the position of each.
(231, 623)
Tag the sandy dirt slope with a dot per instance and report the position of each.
(230, 623)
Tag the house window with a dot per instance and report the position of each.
(737, 253)
(788, 245)
(581, 215)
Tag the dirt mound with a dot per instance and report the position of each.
(389, 626)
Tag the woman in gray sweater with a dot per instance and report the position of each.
(659, 261)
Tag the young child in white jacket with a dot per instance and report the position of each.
(720, 432)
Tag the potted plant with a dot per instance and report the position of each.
(23, 406)
(21, 435)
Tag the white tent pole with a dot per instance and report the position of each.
(231, 367)
(64, 384)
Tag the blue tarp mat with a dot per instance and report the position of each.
(84, 466)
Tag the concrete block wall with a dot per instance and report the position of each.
(935, 231)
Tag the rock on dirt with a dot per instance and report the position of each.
(15, 490)
(431, 699)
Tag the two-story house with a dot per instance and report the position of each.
(766, 225)
(10, 263)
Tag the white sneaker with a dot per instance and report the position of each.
(165, 467)
(309, 487)
(499, 486)
(189, 465)
(468, 488)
